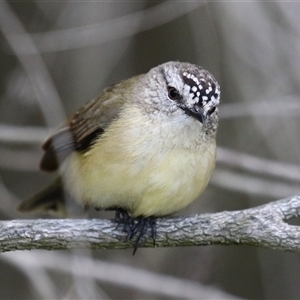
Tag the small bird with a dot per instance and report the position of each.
(145, 147)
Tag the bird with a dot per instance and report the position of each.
(144, 147)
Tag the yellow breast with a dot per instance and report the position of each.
(141, 172)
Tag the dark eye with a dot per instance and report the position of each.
(212, 110)
(173, 93)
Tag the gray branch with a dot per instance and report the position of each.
(263, 226)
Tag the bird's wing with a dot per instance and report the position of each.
(81, 129)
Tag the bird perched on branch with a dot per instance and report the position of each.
(144, 147)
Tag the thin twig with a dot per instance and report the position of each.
(116, 274)
(252, 185)
(89, 35)
(258, 165)
(31, 135)
(283, 107)
(34, 66)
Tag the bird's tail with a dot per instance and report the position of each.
(50, 200)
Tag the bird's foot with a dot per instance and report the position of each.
(136, 227)
(122, 218)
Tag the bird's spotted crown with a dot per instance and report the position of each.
(202, 89)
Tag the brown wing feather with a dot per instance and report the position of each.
(57, 147)
(83, 127)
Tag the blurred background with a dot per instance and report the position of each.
(56, 56)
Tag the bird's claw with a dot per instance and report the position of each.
(136, 227)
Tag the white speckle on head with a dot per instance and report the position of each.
(194, 85)
(195, 79)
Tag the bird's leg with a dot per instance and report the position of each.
(135, 227)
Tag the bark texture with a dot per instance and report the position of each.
(263, 226)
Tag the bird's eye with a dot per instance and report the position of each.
(173, 93)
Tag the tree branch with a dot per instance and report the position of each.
(263, 226)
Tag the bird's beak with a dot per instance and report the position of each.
(196, 111)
